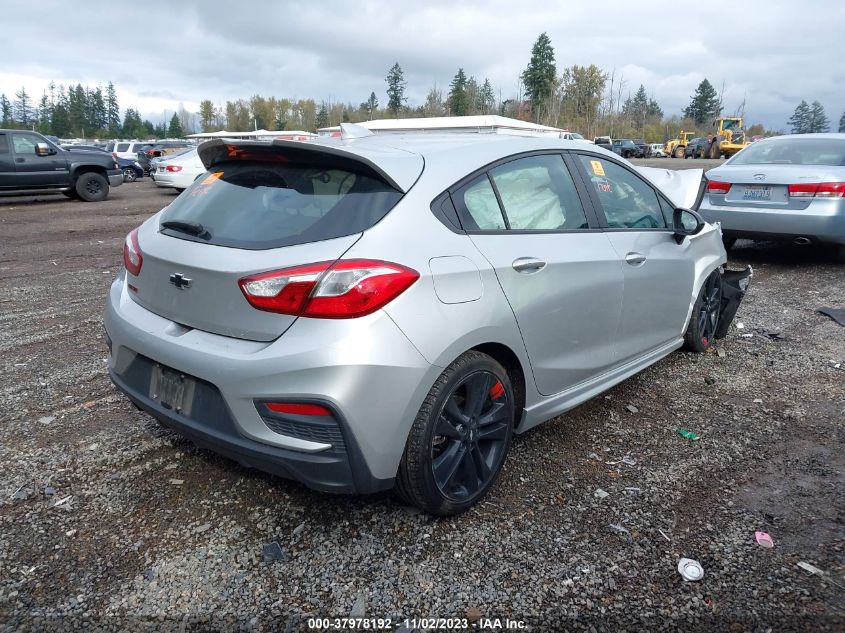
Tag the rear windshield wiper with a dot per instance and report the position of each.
(192, 228)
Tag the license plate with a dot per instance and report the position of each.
(172, 389)
(161, 169)
(757, 192)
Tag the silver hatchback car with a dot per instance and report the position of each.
(789, 188)
(386, 311)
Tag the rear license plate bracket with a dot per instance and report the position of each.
(757, 192)
(172, 389)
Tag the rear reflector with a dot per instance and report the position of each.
(298, 408)
(817, 190)
(715, 186)
(132, 257)
(330, 290)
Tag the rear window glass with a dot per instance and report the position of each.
(261, 205)
(796, 151)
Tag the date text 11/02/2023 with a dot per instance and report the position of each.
(417, 624)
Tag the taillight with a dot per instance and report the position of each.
(132, 257)
(174, 168)
(715, 186)
(803, 190)
(342, 290)
(831, 190)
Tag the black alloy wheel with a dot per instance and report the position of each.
(471, 435)
(460, 438)
(705, 315)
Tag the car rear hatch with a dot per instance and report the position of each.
(768, 186)
(262, 207)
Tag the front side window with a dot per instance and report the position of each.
(538, 194)
(24, 143)
(122, 147)
(627, 201)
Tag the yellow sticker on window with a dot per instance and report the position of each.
(212, 177)
(598, 170)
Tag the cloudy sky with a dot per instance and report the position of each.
(773, 53)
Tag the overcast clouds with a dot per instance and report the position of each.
(161, 53)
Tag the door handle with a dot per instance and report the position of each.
(19, 160)
(528, 265)
(635, 259)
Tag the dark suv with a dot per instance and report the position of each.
(626, 148)
(30, 164)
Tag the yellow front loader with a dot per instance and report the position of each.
(675, 147)
(728, 137)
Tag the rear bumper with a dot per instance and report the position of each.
(821, 221)
(364, 370)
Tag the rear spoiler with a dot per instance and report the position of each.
(398, 168)
(683, 186)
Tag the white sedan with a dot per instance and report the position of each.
(179, 172)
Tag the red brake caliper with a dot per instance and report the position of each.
(497, 391)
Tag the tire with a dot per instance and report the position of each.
(129, 175)
(679, 152)
(704, 320)
(715, 150)
(71, 193)
(448, 467)
(92, 187)
(728, 242)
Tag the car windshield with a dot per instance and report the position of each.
(260, 205)
(793, 151)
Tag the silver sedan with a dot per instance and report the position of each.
(380, 312)
(788, 188)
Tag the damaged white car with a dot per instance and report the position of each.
(387, 311)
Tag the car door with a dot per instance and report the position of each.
(33, 170)
(559, 272)
(7, 163)
(658, 272)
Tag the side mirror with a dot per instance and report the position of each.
(42, 149)
(686, 222)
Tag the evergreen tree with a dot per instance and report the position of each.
(799, 122)
(133, 127)
(486, 98)
(6, 118)
(370, 106)
(473, 90)
(704, 104)
(457, 100)
(23, 108)
(639, 109)
(540, 77)
(842, 123)
(174, 130)
(112, 111)
(395, 89)
(45, 115)
(96, 110)
(76, 110)
(149, 128)
(818, 121)
(322, 119)
(206, 115)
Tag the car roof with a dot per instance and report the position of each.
(400, 158)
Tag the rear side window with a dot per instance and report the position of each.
(122, 147)
(539, 195)
(479, 207)
(261, 205)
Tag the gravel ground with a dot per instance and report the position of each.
(108, 521)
